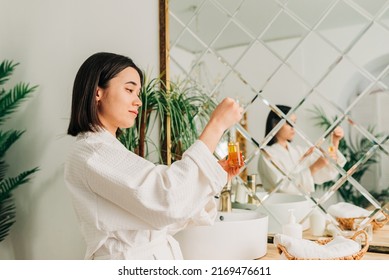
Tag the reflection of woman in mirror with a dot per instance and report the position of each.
(287, 156)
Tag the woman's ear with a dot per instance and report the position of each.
(99, 94)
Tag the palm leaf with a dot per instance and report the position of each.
(7, 139)
(3, 169)
(11, 99)
(187, 107)
(9, 184)
(320, 117)
(6, 69)
(7, 216)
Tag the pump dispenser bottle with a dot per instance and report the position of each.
(292, 228)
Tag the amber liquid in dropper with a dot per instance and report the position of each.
(234, 159)
(331, 148)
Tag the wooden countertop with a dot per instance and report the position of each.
(272, 254)
(378, 247)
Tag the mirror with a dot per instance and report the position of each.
(326, 59)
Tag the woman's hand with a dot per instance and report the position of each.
(225, 115)
(232, 171)
(337, 135)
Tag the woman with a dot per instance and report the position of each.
(129, 208)
(305, 168)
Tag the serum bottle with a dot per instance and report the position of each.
(234, 159)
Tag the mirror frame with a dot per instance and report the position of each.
(163, 6)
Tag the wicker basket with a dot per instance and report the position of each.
(357, 256)
(351, 223)
(379, 224)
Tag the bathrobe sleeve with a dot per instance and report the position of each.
(276, 161)
(268, 173)
(329, 172)
(158, 195)
(272, 174)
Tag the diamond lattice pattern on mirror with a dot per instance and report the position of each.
(326, 59)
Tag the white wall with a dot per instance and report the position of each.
(50, 39)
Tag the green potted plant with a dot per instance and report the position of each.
(9, 101)
(187, 107)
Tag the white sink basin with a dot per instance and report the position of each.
(237, 235)
(277, 207)
(279, 204)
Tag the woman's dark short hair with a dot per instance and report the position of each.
(273, 119)
(95, 72)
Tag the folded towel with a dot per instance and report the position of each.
(348, 210)
(338, 247)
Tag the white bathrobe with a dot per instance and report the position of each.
(128, 207)
(288, 161)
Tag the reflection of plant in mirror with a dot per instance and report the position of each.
(189, 109)
(353, 150)
(9, 101)
(382, 197)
